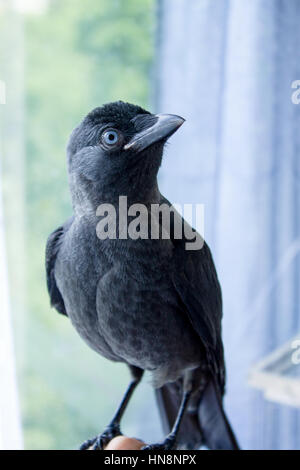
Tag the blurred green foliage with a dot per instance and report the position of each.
(78, 55)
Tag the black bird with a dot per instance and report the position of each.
(149, 303)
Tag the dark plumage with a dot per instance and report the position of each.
(149, 303)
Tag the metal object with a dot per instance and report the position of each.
(278, 374)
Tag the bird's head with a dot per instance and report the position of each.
(117, 150)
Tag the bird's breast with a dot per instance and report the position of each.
(140, 318)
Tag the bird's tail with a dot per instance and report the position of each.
(204, 424)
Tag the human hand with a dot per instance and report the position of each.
(124, 443)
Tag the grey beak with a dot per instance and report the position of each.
(164, 127)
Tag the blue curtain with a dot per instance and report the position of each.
(227, 66)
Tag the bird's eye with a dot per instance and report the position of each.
(110, 137)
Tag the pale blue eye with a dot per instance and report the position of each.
(110, 137)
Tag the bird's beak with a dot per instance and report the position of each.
(162, 129)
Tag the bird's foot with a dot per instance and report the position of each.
(168, 444)
(99, 442)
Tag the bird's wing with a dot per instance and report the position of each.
(195, 279)
(53, 244)
(196, 282)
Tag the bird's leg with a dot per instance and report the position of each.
(113, 429)
(169, 442)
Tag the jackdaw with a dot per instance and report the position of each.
(148, 302)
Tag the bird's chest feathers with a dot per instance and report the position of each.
(130, 302)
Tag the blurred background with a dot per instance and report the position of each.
(228, 67)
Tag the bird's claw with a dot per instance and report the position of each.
(99, 442)
(168, 444)
(87, 444)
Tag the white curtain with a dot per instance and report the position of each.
(12, 231)
(227, 66)
(10, 428)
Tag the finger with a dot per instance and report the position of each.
(124, 443)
